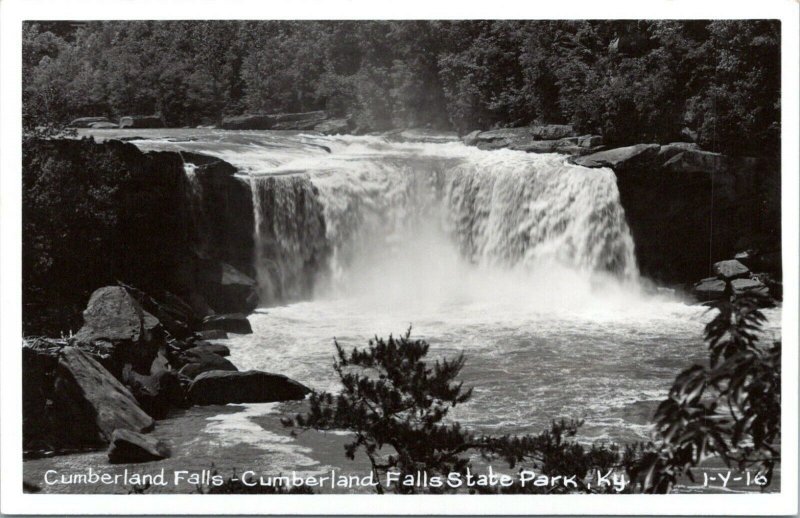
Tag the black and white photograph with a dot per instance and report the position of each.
(305, 256)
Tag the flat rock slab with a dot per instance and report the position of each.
(203, 361)
(620, 157)
(230, 323)
(710, 289)
(223, 387)
(751, 285)
(208, 347)
(127, 446)
(212, 334)
(731, 269)
(99, 395)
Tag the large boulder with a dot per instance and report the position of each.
(543, 138)
(749, 285)
(275, 121)
(116, 325)
(621, 157)
(141, 121)
(231, 323)
(86, 122)
(731, 269)
(212, 334)
(39, 363)
(567, 146)
(201, 346)
(471, 138)
(223, 387)
(157, 393)
(128, 447)
(197, 361)
(92, 402)
(226, 289)
(175, 315)
(710, 288)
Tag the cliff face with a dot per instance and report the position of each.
(689, 208)
(95, 214)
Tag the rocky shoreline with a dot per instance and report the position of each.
(133, 361)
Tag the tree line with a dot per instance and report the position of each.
(714, 82)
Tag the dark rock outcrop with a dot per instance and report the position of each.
(545, 138)
(212, 334)
(688, 208)
(128, 447)
(92, 401)
(175, 315)
(222, 387)
(208, 347)
(232, 323)
(710, 288)
(157, 393)
(141, 121)
(114, 322)
(743, 285)
(275, 121)
(198, 361)
(226, 289)
(223, 225)
(133, 226)
(620, 158)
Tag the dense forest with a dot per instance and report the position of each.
(713, 82)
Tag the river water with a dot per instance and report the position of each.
(522, 262)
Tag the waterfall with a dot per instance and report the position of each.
(399, 217)
(289, 237)
(422, 220)
(508, 210)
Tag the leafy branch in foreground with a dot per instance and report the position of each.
(396, 406)
(730, 409)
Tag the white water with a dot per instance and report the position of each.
(521, 261)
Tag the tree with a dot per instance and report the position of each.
(730, 409)
(396, 406)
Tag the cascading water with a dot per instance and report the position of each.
(431, 219)
(439, 220)
(290, 244)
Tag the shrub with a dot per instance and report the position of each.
(396, 405)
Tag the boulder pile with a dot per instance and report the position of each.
(134, 360)
(733, 277)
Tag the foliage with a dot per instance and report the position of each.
(396, 406)
(631, 81)
(94, 214)
(730, 409)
